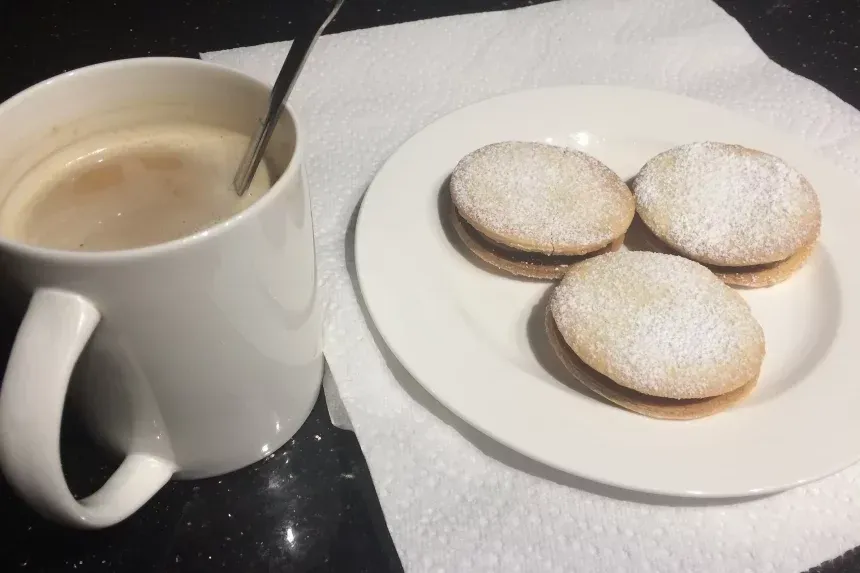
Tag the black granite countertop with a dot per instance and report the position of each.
(310, 507)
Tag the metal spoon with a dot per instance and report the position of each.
(287, 77)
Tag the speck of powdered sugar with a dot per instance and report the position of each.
(659, 324)
(727, 205)
(551, 197)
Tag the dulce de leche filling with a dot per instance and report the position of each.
(527, 257)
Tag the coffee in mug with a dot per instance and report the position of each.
(131, 187)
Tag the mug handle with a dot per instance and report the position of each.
(55, 330)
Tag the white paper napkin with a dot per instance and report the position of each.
(454, 500)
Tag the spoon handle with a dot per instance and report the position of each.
(284, 84)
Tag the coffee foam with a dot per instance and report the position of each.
(130, 187)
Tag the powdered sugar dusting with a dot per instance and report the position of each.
(541, 197)
(658, 324)
(727, 205)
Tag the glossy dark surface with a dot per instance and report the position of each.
(311, 506)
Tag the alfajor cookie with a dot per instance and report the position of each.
(657, 334)
(533, 209)
(747, 215)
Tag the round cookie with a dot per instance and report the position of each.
(727, 205)
(528, 198)
(658, 331)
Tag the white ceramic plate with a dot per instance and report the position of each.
(474, 338)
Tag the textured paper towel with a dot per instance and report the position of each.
(454, 501)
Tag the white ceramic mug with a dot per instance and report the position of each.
(193, 357)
